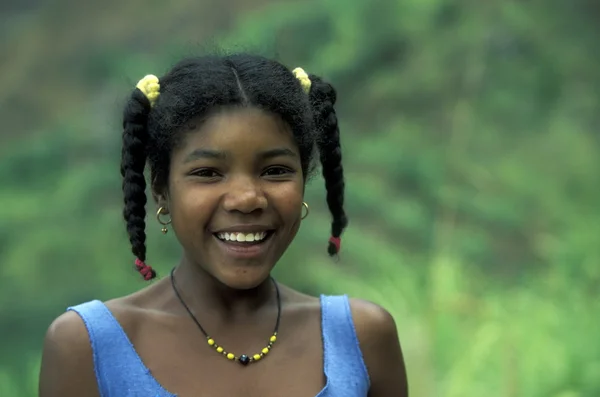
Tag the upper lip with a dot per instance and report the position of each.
(244, 229)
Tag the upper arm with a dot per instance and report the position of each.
(378, 338)
(67, 368)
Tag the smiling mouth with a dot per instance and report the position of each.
(238, 238)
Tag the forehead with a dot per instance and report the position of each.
(238, 131)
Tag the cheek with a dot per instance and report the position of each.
(190, 206)
(288, 201)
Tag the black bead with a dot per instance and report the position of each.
(244, 360)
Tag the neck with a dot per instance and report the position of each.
(201, 291)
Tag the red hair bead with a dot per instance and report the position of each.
(337, 242)
(145, 270)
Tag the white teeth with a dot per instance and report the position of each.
(242, 237)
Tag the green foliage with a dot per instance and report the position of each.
(471, 153)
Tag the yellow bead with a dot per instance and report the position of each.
(273, 338)
(220, 349)
(265, 350)
(256, 357)
(230, 356)
(211, 342)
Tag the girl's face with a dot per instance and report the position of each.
(235, 195)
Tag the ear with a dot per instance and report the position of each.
(160, 195)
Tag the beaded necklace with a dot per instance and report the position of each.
(242, 359)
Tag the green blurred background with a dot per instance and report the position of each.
(471, 149)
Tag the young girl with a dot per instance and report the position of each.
(229, 142)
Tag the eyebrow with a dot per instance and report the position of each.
(204, 154)
(216, 155)
(278, 152)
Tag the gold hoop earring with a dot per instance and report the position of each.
(305, 205)
(163, 223)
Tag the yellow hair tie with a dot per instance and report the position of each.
(304, 79)
(150, 88)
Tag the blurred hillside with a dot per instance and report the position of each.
(57, 53)
(471, 146)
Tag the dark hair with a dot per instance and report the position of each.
(197, 87)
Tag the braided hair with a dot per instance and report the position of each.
(158, 110)
(322, 99)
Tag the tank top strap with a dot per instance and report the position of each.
(343, 360)
(119, 369)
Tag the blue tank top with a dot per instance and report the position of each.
(120, 371)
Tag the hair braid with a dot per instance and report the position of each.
(323, 97)
(133, 161)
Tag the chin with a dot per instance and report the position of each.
(244, 279)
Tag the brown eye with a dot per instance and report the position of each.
(205, 173)
(278, 171)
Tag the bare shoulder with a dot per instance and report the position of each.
(67, 365)
(130, 310)
(378, 337)
(127, 310)
(371, 320)
(67, 359)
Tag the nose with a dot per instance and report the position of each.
(245, 195)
